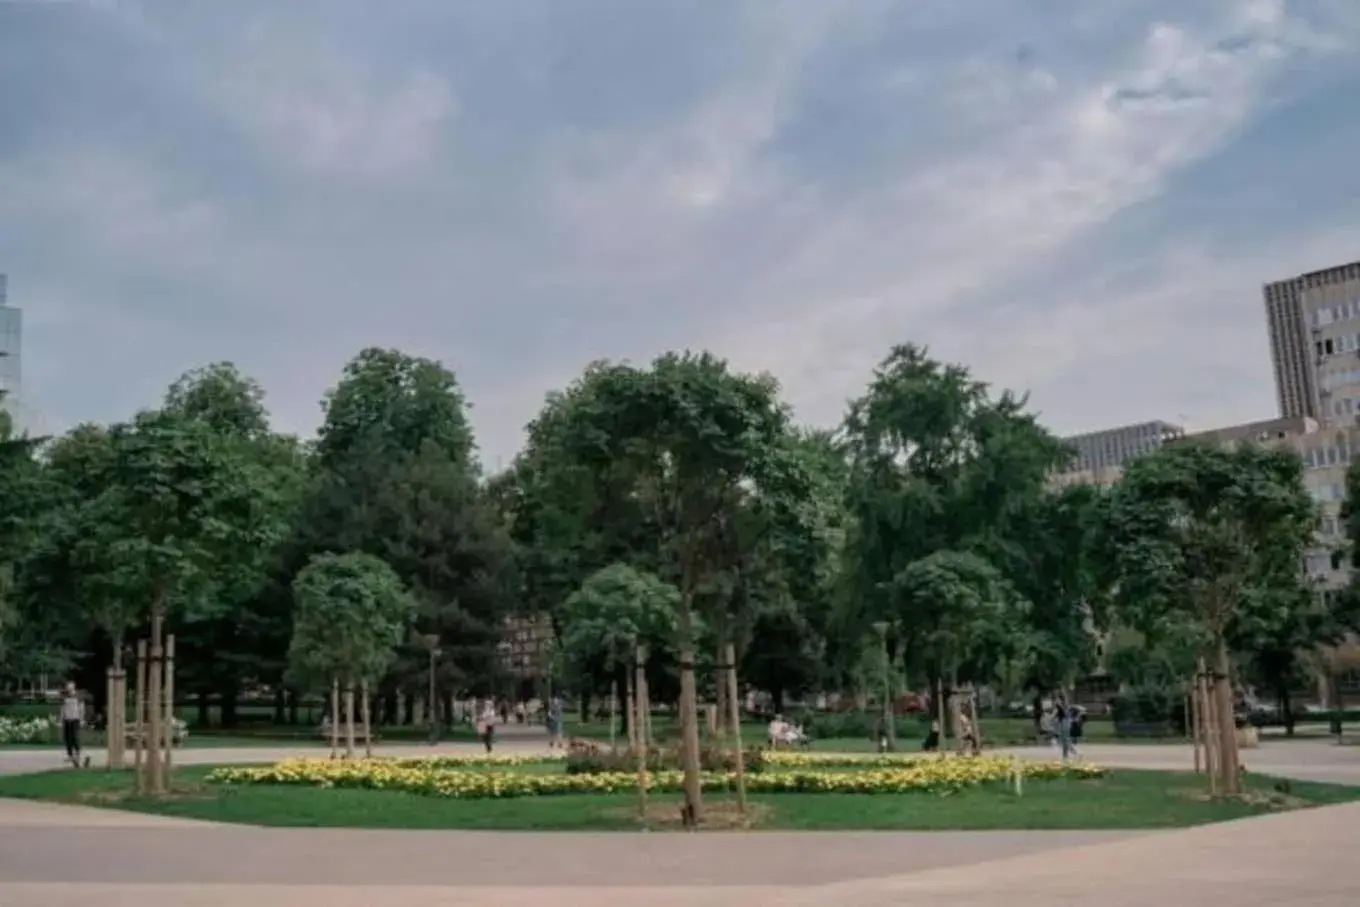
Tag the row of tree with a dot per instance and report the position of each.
(675, 505)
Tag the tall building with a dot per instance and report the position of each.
(1101, 455)
(1314, 326)
(11, 362)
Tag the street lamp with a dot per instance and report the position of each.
(430, 642)
(889, 733)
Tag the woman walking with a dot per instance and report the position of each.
(72, 717)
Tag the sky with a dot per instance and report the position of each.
(1076, 199)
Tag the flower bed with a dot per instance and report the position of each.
(29, 730)
(442, 778)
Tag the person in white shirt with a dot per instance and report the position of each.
(72, 717)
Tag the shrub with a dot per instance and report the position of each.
(1149, 711)
(861, 725)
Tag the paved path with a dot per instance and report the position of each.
(72, 857)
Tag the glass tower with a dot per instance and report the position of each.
(11, 371)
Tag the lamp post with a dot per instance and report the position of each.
(430, 642)
(881, 626)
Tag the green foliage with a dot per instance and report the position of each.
(615, 610)
(939, 469)
(351, 614)
(1212, 540)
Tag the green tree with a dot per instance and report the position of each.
(1212, 539)
(242, 642)
(692, 444)
(617, 609)
(352, 612)
(938, 469)
(395, 477)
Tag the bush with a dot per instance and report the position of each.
(861, 725)
(1149, 712)
(587, 758)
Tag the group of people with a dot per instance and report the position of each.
(967, 736)
(1061, 724)
(490, 717)
(784, 733)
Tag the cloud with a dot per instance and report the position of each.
(1058, 199)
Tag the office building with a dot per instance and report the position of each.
(1100, 455)
(1314, 326)
(11, 360)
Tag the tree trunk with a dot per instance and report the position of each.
(292, 707)
(1228, 762)
(349, 720)
(720, 687)
(335, 716)
(734, 719)
(203, 708)
(366, 704)
(154, 779)
(280, 703)
(689, 718)
(1287, 708)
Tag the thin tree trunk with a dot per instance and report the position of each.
(368, 719)
(640, 685)
(335, 716)
(734, 714)
(1212, 738)
(630, 714)
(1232, 784)
(169, 729)
(139, 741)
(689, 719)
(349, 720)
(1196, 724)
(720, 688)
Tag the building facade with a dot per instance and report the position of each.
(1100, 455)
(11, 358)
(1314, 325)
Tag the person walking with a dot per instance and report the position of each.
(1062, 720)
(486, 726)
(72, 717)
(554, 723)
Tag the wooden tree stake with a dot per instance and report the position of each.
(139, 740)
(169, 729)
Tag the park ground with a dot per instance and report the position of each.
(72, 856)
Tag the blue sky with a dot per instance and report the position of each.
(1078, 199)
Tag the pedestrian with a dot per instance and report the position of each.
(554, 723)
(967, 736)
(72, 717)
(486, 727)
(1062, 720)
(1076, 722)
(932, 741)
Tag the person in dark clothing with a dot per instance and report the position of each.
(72, 717)
(932, 741)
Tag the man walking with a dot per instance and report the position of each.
(72, 717)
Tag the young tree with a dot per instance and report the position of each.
(617, 609)
(1213, 540)
(351, 613)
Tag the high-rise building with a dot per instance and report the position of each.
(1314, 326)
(11, 361)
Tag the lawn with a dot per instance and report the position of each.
(1121, 800)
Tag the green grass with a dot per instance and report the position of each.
(1122, 800)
